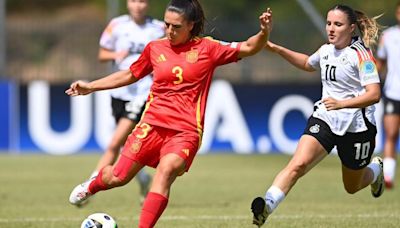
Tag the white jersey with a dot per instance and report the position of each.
(344, 73)
(121, 34)
(389, 49)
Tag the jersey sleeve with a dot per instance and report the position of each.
(314, 60)
(142, 66)
(107, 40)
(367, 70)
(381, 52)
(224, 52)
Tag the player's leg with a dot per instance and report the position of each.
(123, 129)
(309, 152)
(358, 170)
(177, 155)
(138, 149)
(316, 142)
(391, 124)
(109, 177)
(355, 180)
(170, 166)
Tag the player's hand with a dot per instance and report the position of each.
(332, 104)
(78, 88)
(270, 46)
(266, 21)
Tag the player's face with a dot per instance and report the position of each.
(137, 9)
(177, 29)
(339, 29)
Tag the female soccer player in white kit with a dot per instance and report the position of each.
(389, 57)
(344, 117)
(122, 42)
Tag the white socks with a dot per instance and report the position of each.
(273, 197)
(389, 168)
(376, 169)
(94, 174)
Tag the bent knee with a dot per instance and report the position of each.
(113, 178)
(351, 189)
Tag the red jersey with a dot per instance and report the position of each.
(182, 77)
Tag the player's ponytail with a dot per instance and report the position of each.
(369, 28)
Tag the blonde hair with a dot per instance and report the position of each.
(369, 28)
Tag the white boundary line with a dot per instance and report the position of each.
(208, 217)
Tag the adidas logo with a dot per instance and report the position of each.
(325, 57)
(186, 151)
(161, 58)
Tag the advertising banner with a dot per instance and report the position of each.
(240, 118)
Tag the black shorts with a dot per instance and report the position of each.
(391, 106)
(354, 149)
(124, 109)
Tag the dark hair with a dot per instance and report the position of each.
(368, 27)
(192, 11)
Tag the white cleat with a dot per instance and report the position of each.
(80, 193)
(260, 211)
(378, 186)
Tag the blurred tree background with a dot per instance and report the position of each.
(58, 40)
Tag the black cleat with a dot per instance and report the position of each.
(260, 211)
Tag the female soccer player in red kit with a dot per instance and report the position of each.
(169, 133)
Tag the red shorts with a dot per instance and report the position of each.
(148, 144)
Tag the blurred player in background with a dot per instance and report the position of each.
(122, 42)
(389, 57)
(170, 131)
(344, 117)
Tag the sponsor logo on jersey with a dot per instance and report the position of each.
(326, 57)
(362, 163)
(314, 129)
(192, 56)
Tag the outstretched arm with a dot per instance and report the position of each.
(114, 80)
(255, 43)
(297, 59)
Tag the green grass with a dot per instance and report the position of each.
(217, 192)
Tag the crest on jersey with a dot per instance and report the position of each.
(314, 129)
(192, 56)
(344, 60)
(135, 147)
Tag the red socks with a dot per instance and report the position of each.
(97, 184)
(153, 206)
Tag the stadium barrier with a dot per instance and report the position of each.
(40, 118)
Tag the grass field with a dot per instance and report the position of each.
(217, 192)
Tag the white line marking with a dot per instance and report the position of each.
(207, 217)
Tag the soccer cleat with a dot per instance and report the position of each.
(260, 211)
(81, 193)
(378, 186)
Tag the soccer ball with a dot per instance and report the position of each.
(99, 220)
